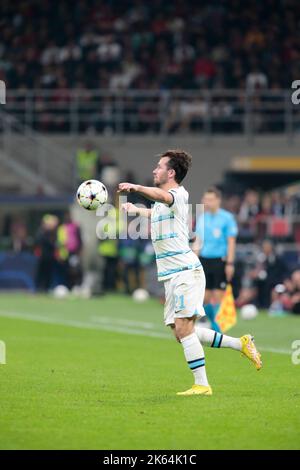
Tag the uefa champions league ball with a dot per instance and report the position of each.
(91, 194)
(249, 312)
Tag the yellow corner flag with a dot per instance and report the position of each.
(226, 316)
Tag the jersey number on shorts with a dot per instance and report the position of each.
(179, 303)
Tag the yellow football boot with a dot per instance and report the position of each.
(197, 390)
(249, 350)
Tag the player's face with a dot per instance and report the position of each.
(211, 202)
(161, 172)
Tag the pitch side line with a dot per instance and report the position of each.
(123, 322)
(80, 324)
(101, 323)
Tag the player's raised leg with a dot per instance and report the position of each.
(245, 344)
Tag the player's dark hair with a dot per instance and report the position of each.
(179, 161)
(214, 190)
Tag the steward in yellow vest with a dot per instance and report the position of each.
(87, 159)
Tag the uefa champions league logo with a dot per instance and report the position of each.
(2, 92)
(2, 352)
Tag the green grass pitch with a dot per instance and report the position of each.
(103, 374)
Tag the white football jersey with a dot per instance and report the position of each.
(170, 236)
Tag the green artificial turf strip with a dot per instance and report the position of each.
(83, 387)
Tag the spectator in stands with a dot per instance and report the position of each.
(149, 45)
(250, 205)
(205, 71)
(19, 236)
(279, 204)
(248, 211)
(41, 38)
(129, 264)
(286, 296)
(109, 172)
(263, 216)
(108, 249)
(256, 80)
(258, 282)
(87, 159)
(295, 293)
(184, 112)
(69, 246)
(123, 77)
(45, 250)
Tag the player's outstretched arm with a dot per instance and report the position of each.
(131, 209)
(154, 194)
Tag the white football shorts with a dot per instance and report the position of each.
(184, 294)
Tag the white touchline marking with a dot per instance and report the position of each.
(121, 321)
(80, 324)
(105, 323)
(275, 350)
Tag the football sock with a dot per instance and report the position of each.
(211, 313)
(217, 340)
(194, 356)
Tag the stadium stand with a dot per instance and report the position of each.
(148, 49)
(126, 44)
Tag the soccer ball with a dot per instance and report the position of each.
(140, 295)
(60, 292)
(249, 312)
(91, 194)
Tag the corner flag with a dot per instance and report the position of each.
(226, 316)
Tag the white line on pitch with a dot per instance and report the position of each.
(107, 326)
(81, 324)
(121, 321)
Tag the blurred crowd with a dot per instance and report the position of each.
(153, 46)
(274, 214)
(58, 247)
(149, 45)
(269, 279)
(286, 296)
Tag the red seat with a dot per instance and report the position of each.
(279, 227)
(297, 233)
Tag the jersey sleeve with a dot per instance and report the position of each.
(231, 227)
(179, 200)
